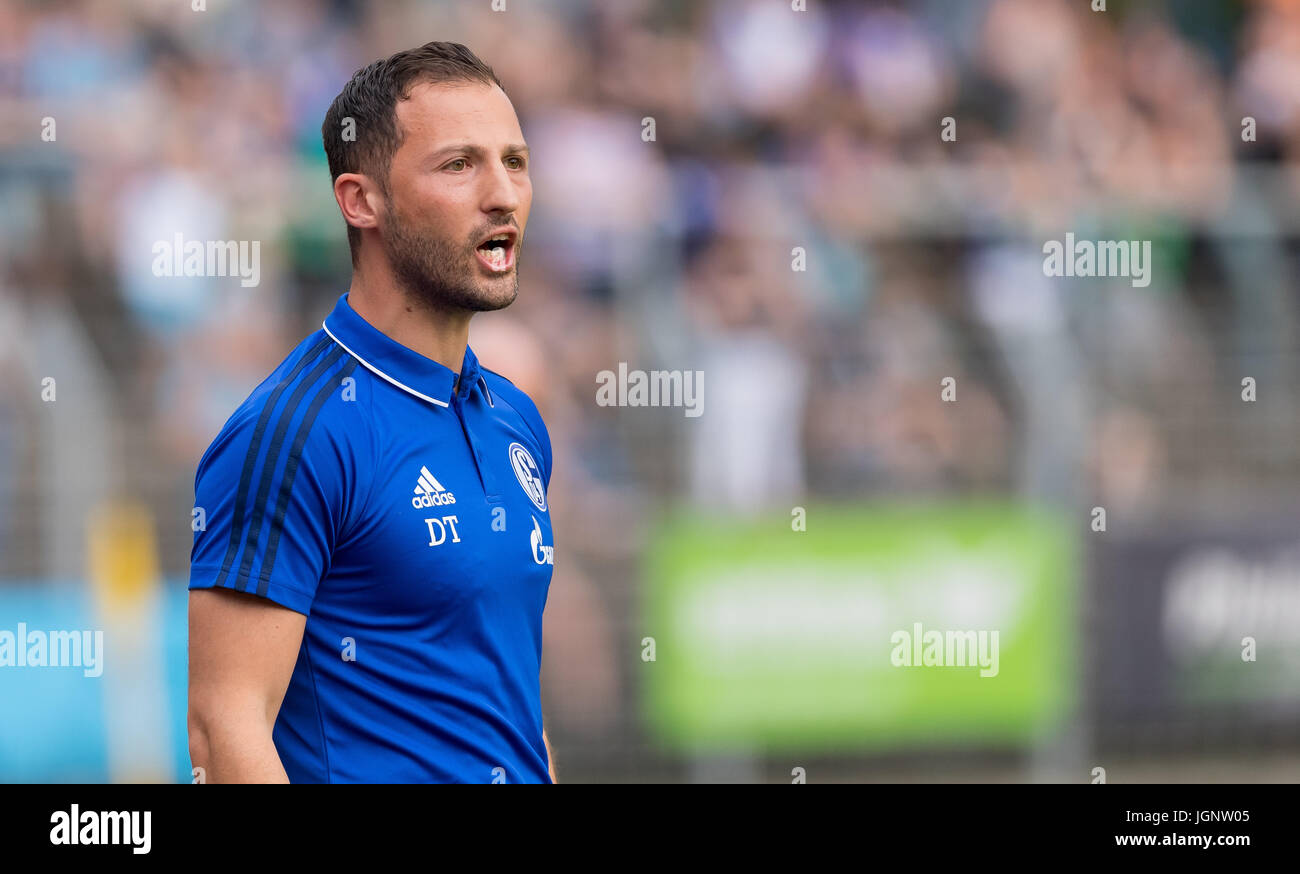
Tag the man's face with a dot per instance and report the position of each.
(458, 196)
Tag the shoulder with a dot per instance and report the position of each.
(307, 404)
(506, 392)
(504, 389)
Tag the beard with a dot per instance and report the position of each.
(441, 274)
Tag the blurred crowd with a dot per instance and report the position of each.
(736, 187)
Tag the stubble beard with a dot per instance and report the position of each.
(440, 275)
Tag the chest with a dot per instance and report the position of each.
(456, 519)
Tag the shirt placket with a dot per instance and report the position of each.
(462, 402)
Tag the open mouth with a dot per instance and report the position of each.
(497, 252)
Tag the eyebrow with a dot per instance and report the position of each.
(470, 148)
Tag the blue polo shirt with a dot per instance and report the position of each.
(401, 507)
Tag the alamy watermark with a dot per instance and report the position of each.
(34, 648)
(181, 257)
(132, 828)
(655, 388)
(1129, 258)
(947, 649)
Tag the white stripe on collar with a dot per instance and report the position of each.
(380, 373)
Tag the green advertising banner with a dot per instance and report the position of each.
(860, 628)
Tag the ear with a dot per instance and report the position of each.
(359, 199)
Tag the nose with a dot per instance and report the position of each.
(500, 194)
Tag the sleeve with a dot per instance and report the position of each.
(268, 504)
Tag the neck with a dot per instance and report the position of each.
(437, 335)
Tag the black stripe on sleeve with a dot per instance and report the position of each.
(291, 469)
(254, 449)
(272, 459)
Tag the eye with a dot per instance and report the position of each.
(515, 162)
(456, 165)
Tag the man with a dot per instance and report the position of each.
(366, 600)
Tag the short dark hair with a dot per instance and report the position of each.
(370, 100)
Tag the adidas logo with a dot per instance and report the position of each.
(430, 493)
